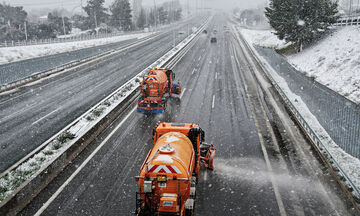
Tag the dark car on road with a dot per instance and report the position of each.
(213, 40)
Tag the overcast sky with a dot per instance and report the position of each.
(75, 4)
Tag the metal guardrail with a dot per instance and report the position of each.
(311, 133)
(345, 21)
(82, 37)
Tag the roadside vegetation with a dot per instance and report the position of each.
(301, 22)
(16, 24)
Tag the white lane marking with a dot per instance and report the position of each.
(215, 75)
(193, 71)
(262, 143)
(213, 102)
(198, 65)
(17, 112)
(205, 175)
(44, 117)
(199, 58)
(273, 181)
(182, 93)
(62, 187)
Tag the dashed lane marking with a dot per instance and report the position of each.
(213, 102)
(193, 71)
(62, 187)
(182, 93)
(47, 115)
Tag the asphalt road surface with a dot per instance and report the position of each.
(32, 114)
(258, 170)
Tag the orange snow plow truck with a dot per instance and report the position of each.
(153, 88)
(170, 171)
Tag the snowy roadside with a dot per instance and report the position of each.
(18, 53)
(349, 164)
(334, 61)
(263, 38)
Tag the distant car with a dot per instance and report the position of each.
(215, 31)
(181, 32)
(213, 40)
(205, 31)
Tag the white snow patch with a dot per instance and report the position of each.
(164, 158)
(171, 138)
(301, 22)
(265, 38)
(334, 62)
(17, 53)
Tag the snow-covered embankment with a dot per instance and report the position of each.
(324, 60)
(334, 61)
(18, 53)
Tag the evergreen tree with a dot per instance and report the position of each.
(56, 22)
(162, 15)
(300, 21)
(152, 17)
(12, 21)
(121, 14)
(96, 12)
(81, 22)
(178, 14)
(141, 21)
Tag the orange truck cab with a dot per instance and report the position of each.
(170, 171)
(154, 86)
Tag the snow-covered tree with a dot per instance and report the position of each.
(301, 21)
(59, 23)
(141, 21)
(121, 14)
(12, 22)
(96, 12)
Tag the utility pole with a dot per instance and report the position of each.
(188, 8)
(26, 35)
(155, 15)
(63, 22)
(62, 17)
(96, 25)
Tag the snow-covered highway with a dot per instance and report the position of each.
(264, 165)
(32, 114)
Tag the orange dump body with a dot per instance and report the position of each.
(167, 173)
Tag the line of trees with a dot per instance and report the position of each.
(14, 24)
